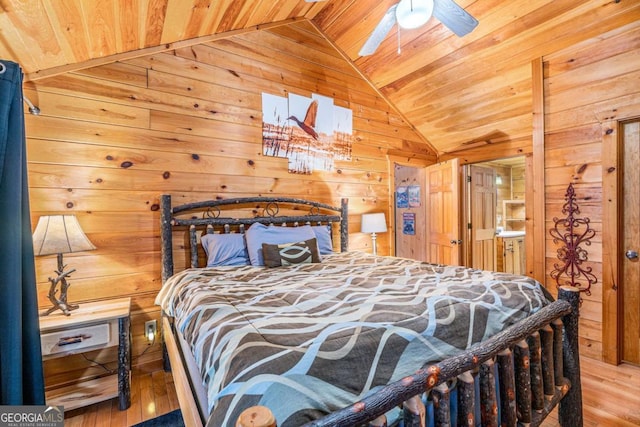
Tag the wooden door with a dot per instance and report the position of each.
(442, 200)
(410, 236)
(483, 217)
(630, 240)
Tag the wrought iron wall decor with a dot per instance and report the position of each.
(574, 233)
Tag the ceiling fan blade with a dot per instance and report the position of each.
(380, 32)
(454, 17)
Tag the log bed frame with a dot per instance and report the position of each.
(533, 366)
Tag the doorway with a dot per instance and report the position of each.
(621, 241)
(426, 211)
(630, 242)
(508, 238)
(499, 208)
(482, 218)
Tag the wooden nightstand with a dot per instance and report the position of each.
(91, 327)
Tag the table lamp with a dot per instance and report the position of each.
(373, 223)
(60, 234)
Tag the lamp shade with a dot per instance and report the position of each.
(411, 14)
(59, 234)
(373, 223)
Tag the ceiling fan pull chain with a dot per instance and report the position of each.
(399, 49)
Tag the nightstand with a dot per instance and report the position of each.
(90, 327)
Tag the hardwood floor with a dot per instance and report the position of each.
(611, 397)
(152, 394)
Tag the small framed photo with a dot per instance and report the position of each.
(402, 197)
(413, 196)
(409, 223)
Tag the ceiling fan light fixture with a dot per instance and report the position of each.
(412, 14)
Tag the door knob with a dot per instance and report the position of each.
(631, 254)
(455, 242)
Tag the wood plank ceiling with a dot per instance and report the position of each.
(459, 93)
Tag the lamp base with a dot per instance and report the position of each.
(374, 243)
(66, 308)
(60, 303)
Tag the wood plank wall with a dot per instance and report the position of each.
(518, 183)
(111, 139)
(586, 87)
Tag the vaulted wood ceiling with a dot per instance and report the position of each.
(457, 92)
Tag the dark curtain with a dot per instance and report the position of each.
(21, 373)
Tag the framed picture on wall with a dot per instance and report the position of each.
(413, 196)
(311, 132)
(409, 223)
(402, 198)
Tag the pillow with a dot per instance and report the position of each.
(291, 253)
(225, 249)
(259, 233)
(323, 235)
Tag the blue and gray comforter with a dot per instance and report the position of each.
(306, 340)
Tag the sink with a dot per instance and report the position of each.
(510, 233)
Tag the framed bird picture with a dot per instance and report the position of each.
(311, 132)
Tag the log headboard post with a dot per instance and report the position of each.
(344, 225)
(165, 237)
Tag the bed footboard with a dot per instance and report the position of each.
(535, 362)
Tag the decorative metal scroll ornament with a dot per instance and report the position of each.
(574, 233)
(211, 212)
(272, 209)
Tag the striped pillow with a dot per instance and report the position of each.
(305, 252)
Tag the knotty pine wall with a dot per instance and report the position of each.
(112, 139)
(587, 87)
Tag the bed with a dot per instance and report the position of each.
(286, 318)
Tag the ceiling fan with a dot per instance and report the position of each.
(410, 14)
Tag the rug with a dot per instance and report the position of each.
(171, 419)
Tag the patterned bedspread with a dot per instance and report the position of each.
(309, 339)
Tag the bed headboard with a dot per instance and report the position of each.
(209, 216)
